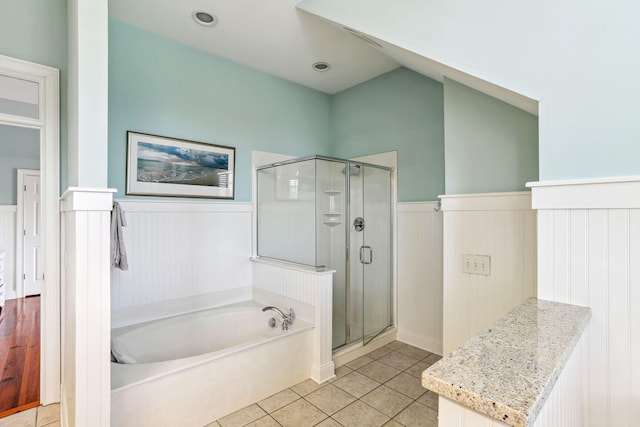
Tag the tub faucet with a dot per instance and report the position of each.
(287, 319)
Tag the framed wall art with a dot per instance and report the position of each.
(162, 166)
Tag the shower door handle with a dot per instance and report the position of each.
(369, 251)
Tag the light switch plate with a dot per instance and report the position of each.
(476, 264)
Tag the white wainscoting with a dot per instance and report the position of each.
(566, 404)
(590, 255)
(86, 379)
(8, 244)
(178, 249)
(420, 275)
(503, 226)
(312, 288)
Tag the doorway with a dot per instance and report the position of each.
(29, 275)
(20, 318)
(29, 100)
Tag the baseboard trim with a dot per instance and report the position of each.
(345, 356)
(323, 373)
(425, 343)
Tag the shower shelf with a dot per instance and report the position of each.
(332, 219)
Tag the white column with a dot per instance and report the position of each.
(88, 93)
(86, 382)
(85, 399)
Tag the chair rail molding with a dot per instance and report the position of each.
(603, 193)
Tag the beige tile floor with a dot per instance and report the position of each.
(41, 416)
(381, 388)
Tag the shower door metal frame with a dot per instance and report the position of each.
(347, 164)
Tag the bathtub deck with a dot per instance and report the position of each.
(372, 390)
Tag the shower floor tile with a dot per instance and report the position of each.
(361, 394)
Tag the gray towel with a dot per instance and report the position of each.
(118, 251)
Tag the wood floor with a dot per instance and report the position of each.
(20, 355)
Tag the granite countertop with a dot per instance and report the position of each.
(508, 370)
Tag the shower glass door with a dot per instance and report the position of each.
(375, 255)
(370, 252)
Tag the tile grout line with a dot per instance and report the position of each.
(388, 363)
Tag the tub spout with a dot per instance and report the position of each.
(287, 319)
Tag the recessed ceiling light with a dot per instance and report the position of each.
(321, 66)
(204, 18)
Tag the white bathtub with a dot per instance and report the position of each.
(192, 369)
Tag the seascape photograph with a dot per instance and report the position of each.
(172, 167)
(177, 165)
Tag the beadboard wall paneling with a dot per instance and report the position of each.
(312, 288)
(86, 375)
(300, 284)
(503, 226)
(566, 404)
(181, 249)
(590, 257)
(420, 275)
(8, 244)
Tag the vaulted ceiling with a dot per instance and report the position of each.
(271, 36)
(278, 38)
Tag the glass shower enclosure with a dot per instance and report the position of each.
(333, 214)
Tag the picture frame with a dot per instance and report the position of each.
(173, 167)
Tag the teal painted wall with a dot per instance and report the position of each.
(19, 149)
(580, 62)
(400, 110)
(490, 146)
(36, 31)
(162, 87)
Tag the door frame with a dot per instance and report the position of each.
(19, 255)
(366, 339)
(390, 160)
(48, 124)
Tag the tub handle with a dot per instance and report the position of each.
(287, 319)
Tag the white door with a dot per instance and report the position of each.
(32, 254)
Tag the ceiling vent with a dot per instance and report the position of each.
(365, 38)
